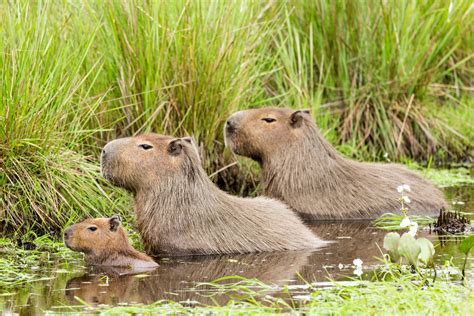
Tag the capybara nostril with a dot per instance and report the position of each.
(230, 125)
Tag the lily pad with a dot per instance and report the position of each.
(390, 243)
(409, 248)
(427, 251)
(466, 245)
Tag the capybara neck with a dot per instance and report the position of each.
(312, 146)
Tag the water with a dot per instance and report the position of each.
(70, 285)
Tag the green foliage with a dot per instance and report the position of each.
(77, 74)
(19, 266)
(448, 177)
(413, 250)
(391, 221)
(377, 64)
(409, 248)
(390, 243)
(354, 298)
(427, 251)
(466, 245)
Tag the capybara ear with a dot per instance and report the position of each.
(188, 139)
(175, 147)
(306, 111)
(296, 118)
(114, 223)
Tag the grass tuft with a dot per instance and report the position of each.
(381, 77)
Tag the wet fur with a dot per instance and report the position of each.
(108, 248)
(308, 174)
(182, 212)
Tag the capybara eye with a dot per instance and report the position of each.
(145, 146)
(92, 228)
(268, 119)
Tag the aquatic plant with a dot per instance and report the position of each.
(334, 298)
(407, 247)
(414, 251)
(465, 246)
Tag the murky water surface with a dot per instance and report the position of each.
(70, 285)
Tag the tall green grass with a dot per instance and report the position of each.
(381, 66)
(48, 176)
(378, 75)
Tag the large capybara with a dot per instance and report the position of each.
(302, 169)
(180, 211)
(104, 242)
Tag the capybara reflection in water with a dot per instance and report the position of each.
(302, 169)
(180, 211)
(104, 242)
(177, 276)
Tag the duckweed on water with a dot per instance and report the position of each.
(19, 266)
(448, 177)
(359, 298)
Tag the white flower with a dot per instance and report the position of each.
(358, 272)
(340, 266)
(357, 262)
(405, 222)
(406, 199)
(403, 188)
(413, 228)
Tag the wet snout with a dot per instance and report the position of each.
(67, 235)
(110, 153)
(110, 148)
(230, 126)
(232, 123)
(103, 154)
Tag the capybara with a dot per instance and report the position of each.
(104, 242)
(302, 169)
(180, 211)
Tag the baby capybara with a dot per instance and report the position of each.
(302, 169)
(181, 212)
(105, 242)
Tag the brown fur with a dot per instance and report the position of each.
(181, 212)
(302, 169)
(108, 245)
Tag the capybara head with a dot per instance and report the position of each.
(146, 160)
(96, 235)
(256, 133)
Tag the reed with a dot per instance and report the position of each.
(381, 77)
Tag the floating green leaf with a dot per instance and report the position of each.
(466, 245)
(390, 243)
(427, 250)
(409, 248)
